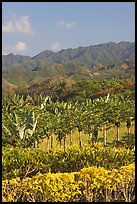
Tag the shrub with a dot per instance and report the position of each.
(89, 184)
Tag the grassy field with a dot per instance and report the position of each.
(111, 135)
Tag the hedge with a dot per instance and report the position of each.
(93, 184)
(17, 162)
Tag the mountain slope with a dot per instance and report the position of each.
(107, 53)
(71, 70)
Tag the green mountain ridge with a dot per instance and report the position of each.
(97, 62)
(107, 53)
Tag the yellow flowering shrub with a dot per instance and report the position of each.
(91, 184)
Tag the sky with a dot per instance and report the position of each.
(29, 28)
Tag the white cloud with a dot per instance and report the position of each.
(55, 46)
(20, 46)
(21, 24)
(66, 25)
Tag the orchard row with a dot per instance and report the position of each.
(24, 123)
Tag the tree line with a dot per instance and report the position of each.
(25, 121)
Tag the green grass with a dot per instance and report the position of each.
(111, 135)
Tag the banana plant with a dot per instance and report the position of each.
(26, 125)
(115, 111)
(101, 108)
(88, 119)
(61, 129)
(9, 131)
(128, 113)
(69, 114)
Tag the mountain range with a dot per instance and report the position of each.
(107, 53)
(99, 62)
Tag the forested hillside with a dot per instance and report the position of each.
(107, 53)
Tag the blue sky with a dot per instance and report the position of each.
(29, 28)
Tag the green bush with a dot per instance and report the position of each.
(20, 162)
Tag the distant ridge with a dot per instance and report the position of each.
(106, 53)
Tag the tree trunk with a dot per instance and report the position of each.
(128, 132)
(134, 128)
(105, 135)
(93, 136)
(64, 143)
(51, 141)
(89, 138)
(80, 142)
(60, 143)
(108, 195)
(4, 199)
(36, 144)
(70, 137)
(117, 135)
(47, 143)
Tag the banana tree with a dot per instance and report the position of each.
(128, 128)
(130, 117)
(79, 119)
(9, 136)
(101, 108)
(88, 129)
(91, 126)
(22, 126)
(69, 115)
(114, 116)
(11, 106)
(116, 113)
(26, 126)
(61, 129)
(88, 115)
(128, 114)
(47, 120)
(56, 121)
